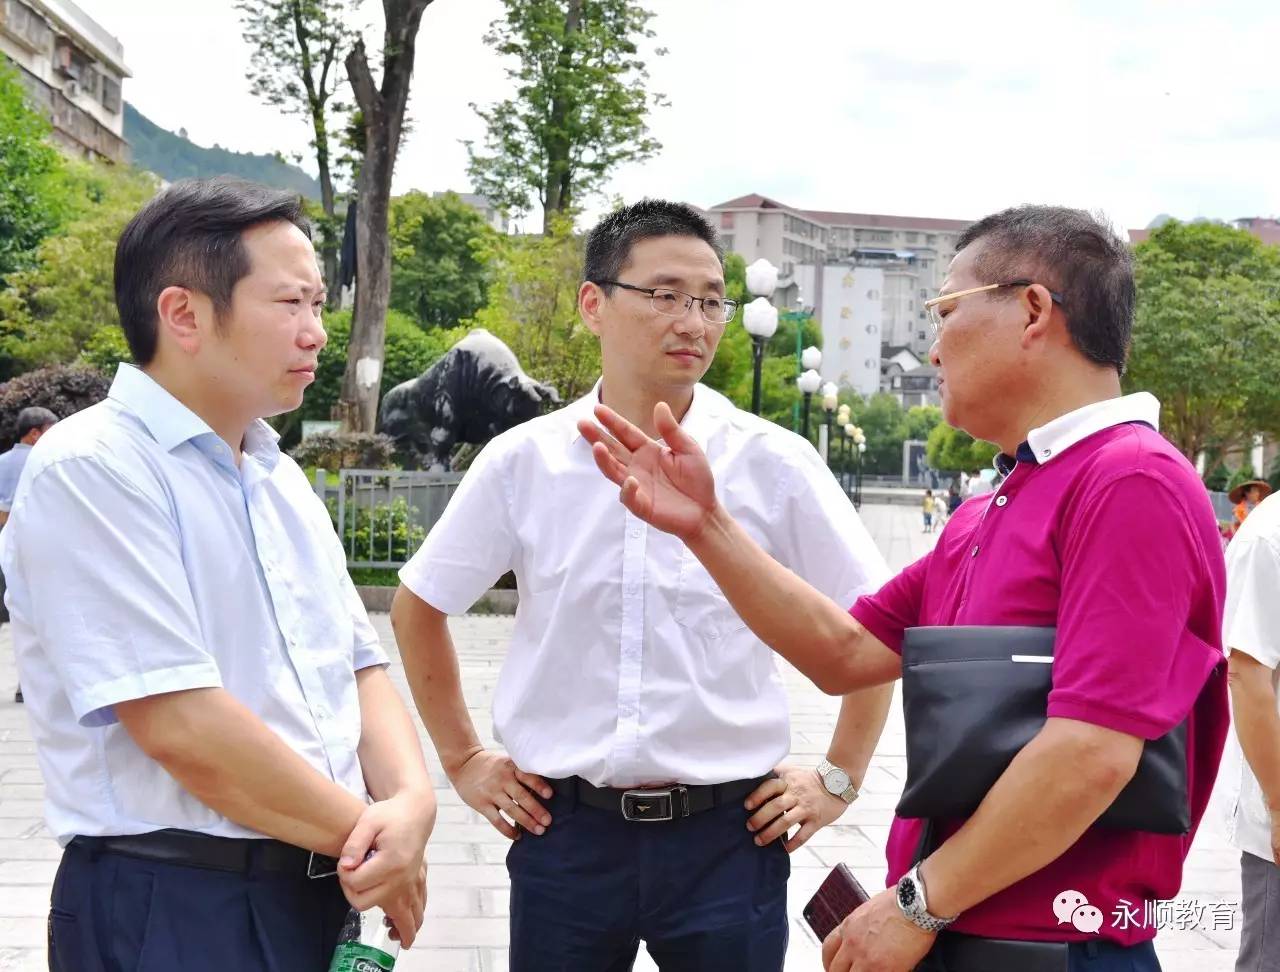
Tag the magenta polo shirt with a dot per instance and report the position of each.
(1111, 539)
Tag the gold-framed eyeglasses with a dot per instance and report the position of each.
(935, 305)
(676, 303)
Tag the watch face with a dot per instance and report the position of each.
(836, 781)
(906, 893)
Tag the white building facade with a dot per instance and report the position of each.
(73, 70)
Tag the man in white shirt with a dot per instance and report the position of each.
(1251, 767)
(642, 721)
(33, 422)
(209, 702)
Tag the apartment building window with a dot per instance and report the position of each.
(727, 242)
(110, 94)
(912, 237)
(881, 237)
(26, 26)
(921, 336)
(726, 220)
(923, 293)
(932, 239)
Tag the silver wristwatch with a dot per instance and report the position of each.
(915, 906)
(837, 781)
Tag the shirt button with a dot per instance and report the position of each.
(1046, 453)
(975, 551)
(713, 634)
(1001, 500)
(635, 533)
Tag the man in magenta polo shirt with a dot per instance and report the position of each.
(1100, 529)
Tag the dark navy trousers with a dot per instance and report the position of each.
(698, 892)
(109, 912)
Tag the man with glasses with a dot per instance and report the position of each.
(643, 723)
(1033, 330)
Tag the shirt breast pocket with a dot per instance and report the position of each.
(701, 607)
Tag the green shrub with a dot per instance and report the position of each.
(345, 450)
(63, 389)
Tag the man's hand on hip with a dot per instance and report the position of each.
(490, 782)
(795, 797)
(383, 863)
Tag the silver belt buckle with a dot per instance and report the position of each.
(321, 861)
(655, 806)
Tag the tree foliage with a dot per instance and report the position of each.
(533, 307)
(1206, 335)
(438, 245)
(296, 65)
(51, 311)
(955, 450)
(31, 199)
(580, 105)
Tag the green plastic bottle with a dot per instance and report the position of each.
(365, 944)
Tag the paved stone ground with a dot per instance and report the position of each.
(467, 913)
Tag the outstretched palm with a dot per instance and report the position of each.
(669, 486)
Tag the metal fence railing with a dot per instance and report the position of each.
(383, 515)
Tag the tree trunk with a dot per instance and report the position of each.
(383, 112)
(557, 190)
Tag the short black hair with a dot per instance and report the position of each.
(34, 417)
(1073, 253)
(191, 235)
(609, 243)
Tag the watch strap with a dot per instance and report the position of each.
(850, 792)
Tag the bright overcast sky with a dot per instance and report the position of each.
(921, 109)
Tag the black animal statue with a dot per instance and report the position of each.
(476, 391)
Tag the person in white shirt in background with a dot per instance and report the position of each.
(210, 705)
(33, 422)
(644, 724)
(1251, 765)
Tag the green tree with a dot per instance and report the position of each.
(580, 105)
(32, 203)
(438, 273)
(733, 357)
(953, 450)
(1206, 334)
(381, 116)
(533, 307)
(51, 311)
(296, 66)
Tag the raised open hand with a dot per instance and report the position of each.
(669, 486)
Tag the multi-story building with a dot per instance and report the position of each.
(73, 70)
(481, 204)
(913, 253)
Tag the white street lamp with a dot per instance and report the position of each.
(762, 278)
(809, 382)
(760, 318)
(811, 359)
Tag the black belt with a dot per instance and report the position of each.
(659, 804)
(243, 855)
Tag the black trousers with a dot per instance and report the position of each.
(699, 892)
(112, 912)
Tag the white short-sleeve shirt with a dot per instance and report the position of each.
(1251, 623)
(140, 560)
(627, 665)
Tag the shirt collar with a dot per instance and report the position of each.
(698, 421)
(171, 423)
(1053, 438)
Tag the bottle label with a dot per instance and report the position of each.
(355, 957)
